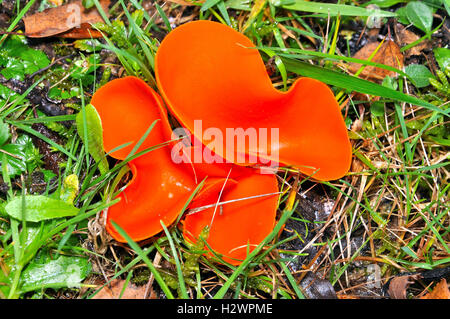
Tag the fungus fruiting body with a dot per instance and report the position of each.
(241, 225)
(160, 188)
(208, 73)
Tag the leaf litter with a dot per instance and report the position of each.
(387, 53)
(116, 290)
(70, 20)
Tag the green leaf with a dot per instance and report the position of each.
(401, 15)
(420, 15)
(83, 69)
(331, 9)
(14, 69)
(88, 4)
(15, 45)
(38, 208)
(6, 93)
(59, 94)
(4, 132)
(138, 17)
(21, 156)
(435, 4)
(390, 83)
(34, 60)
(65, 271)
(442, 56)
(19, 60)
(377, 108)
(48, 175)
(447, 6)
(88, 45)
(89, 122)
(419, 74)
(15, 158)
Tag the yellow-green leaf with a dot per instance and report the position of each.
(89, 128)
(38, 208)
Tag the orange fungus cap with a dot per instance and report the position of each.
(209, 72)
(160, 188)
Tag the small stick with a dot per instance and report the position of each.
(49, 66)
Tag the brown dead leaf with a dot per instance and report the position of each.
(398, 286)
(388, 54)
(115, 289)
(357, 96)
(404, 37)
(66, 18)
(83, 32)
(440, 291)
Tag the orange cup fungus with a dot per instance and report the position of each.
(160, 188)
(208, 72)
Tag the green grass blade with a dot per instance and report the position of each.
(139, 34)
(45, 139)
(331, 8)
(102, 12)
(222, 291)
(46, 119)
(181, 282)
(17, 19)
(209, 4)
(292, 281)
(119, 273)
(142, 139)
(354, 84)
(164, 17)
(147, 261)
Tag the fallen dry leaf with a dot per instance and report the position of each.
(66, 18)
(83, 32)
(404, 37)
(113, 292)
(398, 286)
(440, 291)
(388, 54)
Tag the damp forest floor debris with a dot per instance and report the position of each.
(381, 231)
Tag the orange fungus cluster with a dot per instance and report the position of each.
(209, 73)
